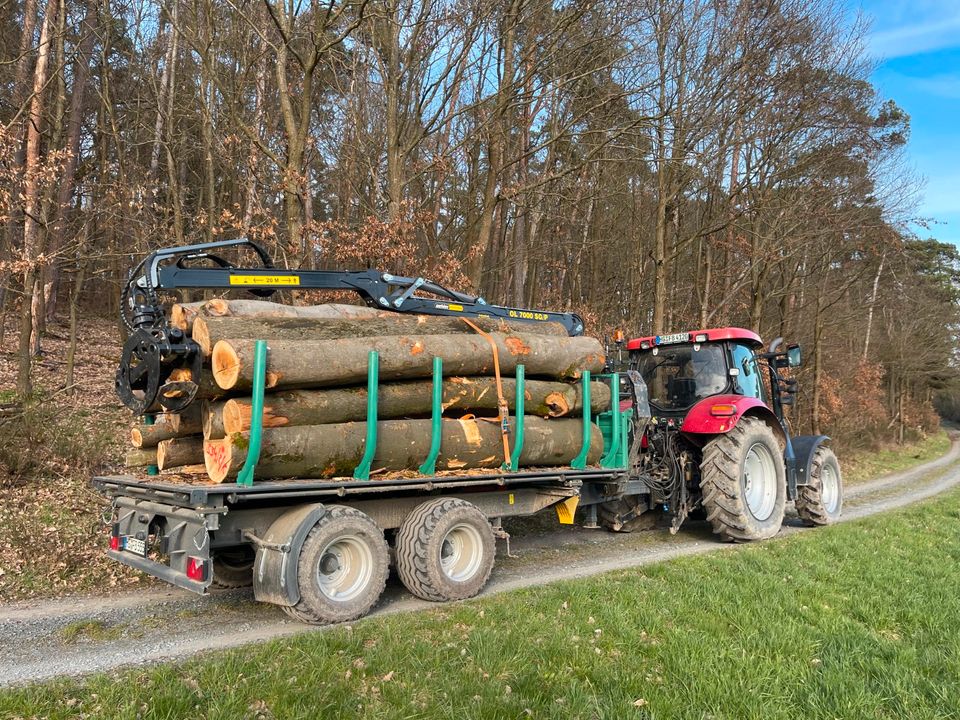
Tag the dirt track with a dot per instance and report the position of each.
(41, 640)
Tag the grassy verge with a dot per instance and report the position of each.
(853, 621)
(862, 465)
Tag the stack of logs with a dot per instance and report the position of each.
(315, 408)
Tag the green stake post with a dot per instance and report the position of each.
(245, 478)
(610, 459)
(151, 469)
(518, 414)
(362, 471)
(580, 461)
(429, 466)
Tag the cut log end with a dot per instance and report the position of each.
(226, 365)
(557, 404)
(218, 459)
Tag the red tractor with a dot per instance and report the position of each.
(716, 440)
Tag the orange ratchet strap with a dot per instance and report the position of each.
(502, 408)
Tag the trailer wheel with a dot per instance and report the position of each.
(233, 568)
(743, 481)
(445, 550)
(821, 502)
(343, 568)
(611, 513)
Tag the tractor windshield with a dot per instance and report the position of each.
(677, 376)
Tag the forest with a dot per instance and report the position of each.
(654, 165)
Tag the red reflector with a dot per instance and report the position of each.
(643, 442)
(196, 569)
(114, 542)
(723, 410)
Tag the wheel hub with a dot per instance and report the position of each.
(461, 553)
(760, 481)
(344, 569)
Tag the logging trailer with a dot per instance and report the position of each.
(695, 425)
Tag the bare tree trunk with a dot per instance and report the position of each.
(873, 302)
(31, 199)
(74, 126)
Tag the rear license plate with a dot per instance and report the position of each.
(136, 546)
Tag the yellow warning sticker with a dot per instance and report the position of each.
(264, 279)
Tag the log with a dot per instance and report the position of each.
(265, 309)
(182, 315)
(207, 331)
(323, 451)
(323, 363)
(141, 457)
(407, 399)
(186, 470)
(179, 451)
(208, 387)
(212, 412)
(164, 427)
(188, 422)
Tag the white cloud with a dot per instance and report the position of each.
(923, 35)
(945, 86)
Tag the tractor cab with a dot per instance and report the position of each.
(682, 370)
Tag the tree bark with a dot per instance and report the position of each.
(208, 331)
(178, 452)
(399, 400)
(320, 451)
(212, 414)
(165, 427)
(140, 457)
(320, 363)
(265, 309)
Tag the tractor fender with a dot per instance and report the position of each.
(701, 420)
(804, 448)
(278, 555)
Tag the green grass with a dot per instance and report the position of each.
(860, 620)
(862, 465)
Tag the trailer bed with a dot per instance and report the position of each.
(193, 494)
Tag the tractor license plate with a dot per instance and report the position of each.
(136, 546)
(673, 338)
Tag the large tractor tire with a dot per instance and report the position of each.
(233, 568)
(611, 514)
(343, 568)
(445, 550)
(743, 481)
(821, 502)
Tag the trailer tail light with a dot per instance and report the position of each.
(114, 542)
(700, 337)
(196, 569)
(723, 410)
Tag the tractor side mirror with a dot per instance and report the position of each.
(793, 356)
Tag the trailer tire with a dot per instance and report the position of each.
(743, 481)
(345, 555)
(233, 568)
(445, 550)
(821, 502)
(611, 512)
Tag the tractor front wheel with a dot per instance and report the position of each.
(743, 481)
(821, 502)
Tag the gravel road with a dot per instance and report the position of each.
(75, 636)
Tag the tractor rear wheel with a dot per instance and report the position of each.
(611, 514)
(821, 502)
(743, 481)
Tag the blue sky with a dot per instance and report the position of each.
(918, 45)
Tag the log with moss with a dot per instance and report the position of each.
(326, 363)
(178, 452)
(207, 331)
(140, 457)
(324, 451)
(406, 399)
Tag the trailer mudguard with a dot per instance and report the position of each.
(804, 448)
(278, 554)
